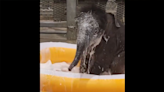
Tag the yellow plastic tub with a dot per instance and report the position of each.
(55, 81)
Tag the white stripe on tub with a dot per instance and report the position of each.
(56, 44)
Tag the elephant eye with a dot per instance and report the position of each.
(96, 32)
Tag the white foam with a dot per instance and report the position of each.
(62, 67)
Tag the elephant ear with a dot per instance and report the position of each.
(111, 7)
(117, 24)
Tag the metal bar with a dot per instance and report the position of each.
(56, 32)
(71, 14)
(53, 24)
(54, 40)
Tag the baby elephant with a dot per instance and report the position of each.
(100, 43)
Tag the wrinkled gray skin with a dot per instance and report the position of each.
(99, 57)
(89, 36)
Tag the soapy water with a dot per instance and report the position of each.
(62, 67)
